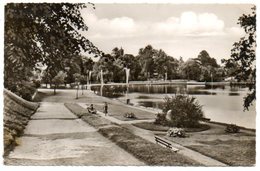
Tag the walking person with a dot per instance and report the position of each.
(105, 108)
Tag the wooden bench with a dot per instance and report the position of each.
(165, 143)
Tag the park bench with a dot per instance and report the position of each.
(165, 143)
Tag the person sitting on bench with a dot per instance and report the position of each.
(91, 109)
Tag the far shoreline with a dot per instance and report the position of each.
(152, 82)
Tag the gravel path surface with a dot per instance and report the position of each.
(55, 136)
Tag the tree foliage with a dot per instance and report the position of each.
(243, 56)
(191, 70)
(151, 63)
(165, 65)
(202, 68)
(206, 60)
(44, 33)
(146, 56)
(185, 111)
(59, 79)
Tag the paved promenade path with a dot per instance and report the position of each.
(55, 136)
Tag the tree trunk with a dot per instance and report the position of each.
(82, 88)
(77, 94)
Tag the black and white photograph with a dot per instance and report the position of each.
(129, 84)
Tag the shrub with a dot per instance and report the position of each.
(26, 90)
(232, 128)
(185, 111)
(37, 83)
(130, 115)
(161, 119)
(176, 132)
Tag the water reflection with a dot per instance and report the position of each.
(109, 91)
(115, 91)
(158, 105)
(233, 94)
(214, 87)
(194, 92)
(144, 97)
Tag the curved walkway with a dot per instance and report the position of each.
(55, 136)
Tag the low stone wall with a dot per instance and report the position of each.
(17, 113)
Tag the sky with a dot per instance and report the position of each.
(178, 29)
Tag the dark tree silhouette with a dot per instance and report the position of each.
(44, 33)
(206, 60)
(243, 55)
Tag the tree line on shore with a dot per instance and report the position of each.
(149, 64)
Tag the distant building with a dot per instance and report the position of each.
(231, 79)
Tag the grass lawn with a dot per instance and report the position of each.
(231, 152)
(93, 119)
(151, 126)
(76, 109)
(118, 111)
(155, 127)
(150, 153)
(236, 149)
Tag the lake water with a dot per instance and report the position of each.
(221, 103)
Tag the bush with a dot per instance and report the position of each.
(37, 83)
(161, 119)
(232, 128)
(185, 111)
(130, 115)
(176, 132)
(26, 90)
